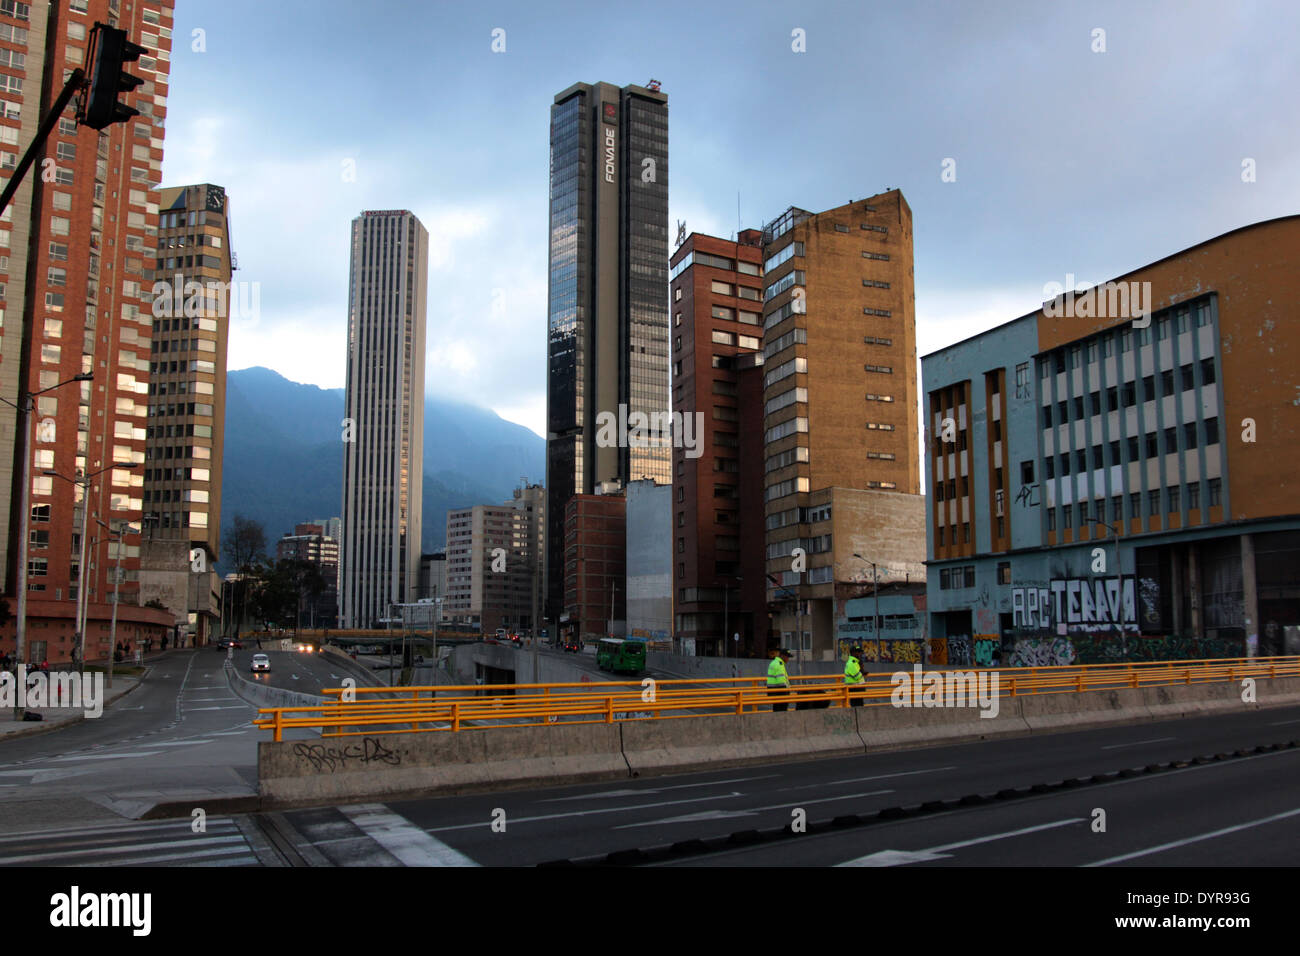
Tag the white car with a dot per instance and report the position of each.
(261, 662)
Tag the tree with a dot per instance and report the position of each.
(246, 545)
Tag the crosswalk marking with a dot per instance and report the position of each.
(130, 843)
(410, 844)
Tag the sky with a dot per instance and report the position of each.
(1075, 152)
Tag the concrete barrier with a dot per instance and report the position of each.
(331, 769)
(264, 695)
(300, 773)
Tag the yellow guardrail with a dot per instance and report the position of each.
(461, 707)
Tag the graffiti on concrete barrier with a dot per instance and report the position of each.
(1042, 652)
(322, 757)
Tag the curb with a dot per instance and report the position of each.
(50, 728)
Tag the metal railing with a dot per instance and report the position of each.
(369, 710)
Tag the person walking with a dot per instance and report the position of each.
(778, 680)
(854, 679)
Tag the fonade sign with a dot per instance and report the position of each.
(1079, 603)
(611, 116)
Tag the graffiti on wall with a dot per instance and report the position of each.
(1042, 652)
(959, 651)
(1081, 604)
(988, 652)
(1028, 497)
(938, 650)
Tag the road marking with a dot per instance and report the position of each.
(649, 791)
(206, 841)
(232, 733)
(403, 839)
(692, 818)
(588, 813)
(1279, 723)
(1139, 743)
(1195, 839)
(195, 710)
(898, 857)
(142, 753)
(180, 743)
(207, 700)
(882, 776)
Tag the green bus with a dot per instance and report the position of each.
(620, 656)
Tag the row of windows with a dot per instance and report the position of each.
(1150, 444)
(1159, 501)
(1126, 396)
(1159, 330)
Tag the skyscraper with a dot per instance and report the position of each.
(195, 300)
(607, 332)
(383, 436)
(77, 251)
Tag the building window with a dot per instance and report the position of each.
(1067, 516)
(1193, 495)
(1153, 501)
(1207, 371)
(1211, 431)
(1004, 572)
(1051, 519)
(1216, 492)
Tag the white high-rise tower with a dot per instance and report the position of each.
(383, 452)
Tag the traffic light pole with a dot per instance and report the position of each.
(75, 82)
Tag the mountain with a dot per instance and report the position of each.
(283, 460)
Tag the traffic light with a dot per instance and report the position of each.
(109, 50)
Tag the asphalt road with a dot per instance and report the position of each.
(572, 823)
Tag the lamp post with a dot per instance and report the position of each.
(122, 531)
(875, 588)
(28, 404)
(84, 483)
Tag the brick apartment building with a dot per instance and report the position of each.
(77, 263)
(842, 478)
(595, 566)
(716, 303)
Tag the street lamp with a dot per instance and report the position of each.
(25, 503)
(84, 482)
(122, 531)
(726, 600)
(875, 588)
(1114, 530)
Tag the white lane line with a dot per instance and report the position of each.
(748, 811)
(587, 813)
(195, 710)
(1139, 743)
(1280, 723)
(207, 700)
(207, 856)
(899, 857)
(142, 753)
(880, 776)
(1195, 839)
(118, 848)
(180, 743)
(99, 829)
(645, 792)
(233, 733)
(403, 839)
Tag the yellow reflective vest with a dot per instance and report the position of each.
(776, 675)
(853, 671)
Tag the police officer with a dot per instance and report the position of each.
(854, 679)
(778, 681)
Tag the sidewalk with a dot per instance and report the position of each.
(58, 717)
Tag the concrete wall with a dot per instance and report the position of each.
(383, 766)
